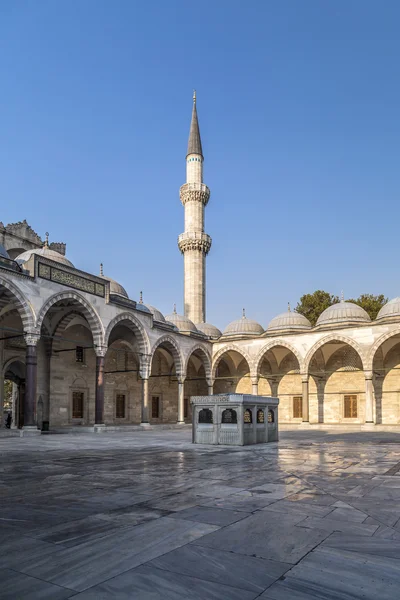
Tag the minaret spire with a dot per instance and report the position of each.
(194, 243)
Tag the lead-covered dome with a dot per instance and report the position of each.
(243, 326)
(45, 252)
(289, 321)
(391, 310)
(157, 315)
(209, 330)
(181, 322)
(115, 288)
(343, 313)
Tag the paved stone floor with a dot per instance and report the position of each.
(146, 515)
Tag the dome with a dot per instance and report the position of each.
(209, 330)
(391, 309)
(243, 326)
(157, 315)
(343, 313)
(45, 252)
(115, 288)
(3, 252)
(289, 321)
(181, 322)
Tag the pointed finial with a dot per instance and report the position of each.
(101, 269)
(174, 309)
(243, 313)
(288, 306)
(342, 296)
(194, 96)
(46, 243)
(141, 298)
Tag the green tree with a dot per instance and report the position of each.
(7, 394)
(312, 305)
(370, 303)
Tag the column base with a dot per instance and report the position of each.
(145, 425)
(29, 431)
(368, 426)
(99, 428)
(180, 423)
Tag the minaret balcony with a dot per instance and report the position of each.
(194, 192)
(194, 240)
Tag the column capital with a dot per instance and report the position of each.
(100, 351)
(181, 378)
(254, 379)
(368, 374)
(210, 382)
(305, 377)
(31, 338)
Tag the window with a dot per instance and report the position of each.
(350, 407)
(77, 405)
(229, 416)
(260, 416)
(271, 416)
(155, 407)
(205, 416)
(79, 354)
(120, 406)
(248, 417)
(297, 407)
(186, 408)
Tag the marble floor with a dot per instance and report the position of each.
(148, 516)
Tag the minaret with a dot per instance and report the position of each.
(194, 243)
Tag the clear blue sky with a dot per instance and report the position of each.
(298, 105)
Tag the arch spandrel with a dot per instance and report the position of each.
(378, 343)
(206, 360)
(273, 344)
(91, 314)
(331, 339)
(24, 307)
(173, 347)
(226, 349)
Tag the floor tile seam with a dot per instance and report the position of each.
(149, 565)
(62, 587)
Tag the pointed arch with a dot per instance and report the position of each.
(332, 338)
(371, 355)
(137, 327)
(24, 307)
(206, 359)
(224, 350)
(90, 313)
(173, 347)
(273, 344)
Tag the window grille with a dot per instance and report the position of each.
(120, 406)
(229, 416)
(186, 408)
(297, 407)
(205, 416)
(77, 405)
(350, 407)
(79, 354)
(155, 407)
(248, 417)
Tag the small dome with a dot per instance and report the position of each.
(45, 252)
(115, 288)
(143, 308)
(182, 323)
(157, 315)
(3, 252)
(289, 321)
(390, 310)
(209, 330)
(343, 313)
(243, 326)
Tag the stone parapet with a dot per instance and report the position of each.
(194, 241)
(194, 192)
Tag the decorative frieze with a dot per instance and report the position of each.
(72, 280)
(194, 241)
(194, 192)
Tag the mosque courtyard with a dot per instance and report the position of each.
(147, 515)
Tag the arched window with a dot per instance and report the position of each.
(205, 416)
(260, 416)
(248, 416)
(271, 416)
(229, 416)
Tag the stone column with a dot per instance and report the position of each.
(181, 400)
(99, 397)
(2, 420)
(30, 383)
(254, 386)
(15, 407)
(210, 384)
(145, 401)
(306, 405)
(369, 397)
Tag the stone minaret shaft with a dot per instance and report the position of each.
(194, 243)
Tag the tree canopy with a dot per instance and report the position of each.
(312, 305)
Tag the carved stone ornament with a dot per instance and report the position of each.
(100, 350)
(200, 242)
(31, 338)
(194, 192)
